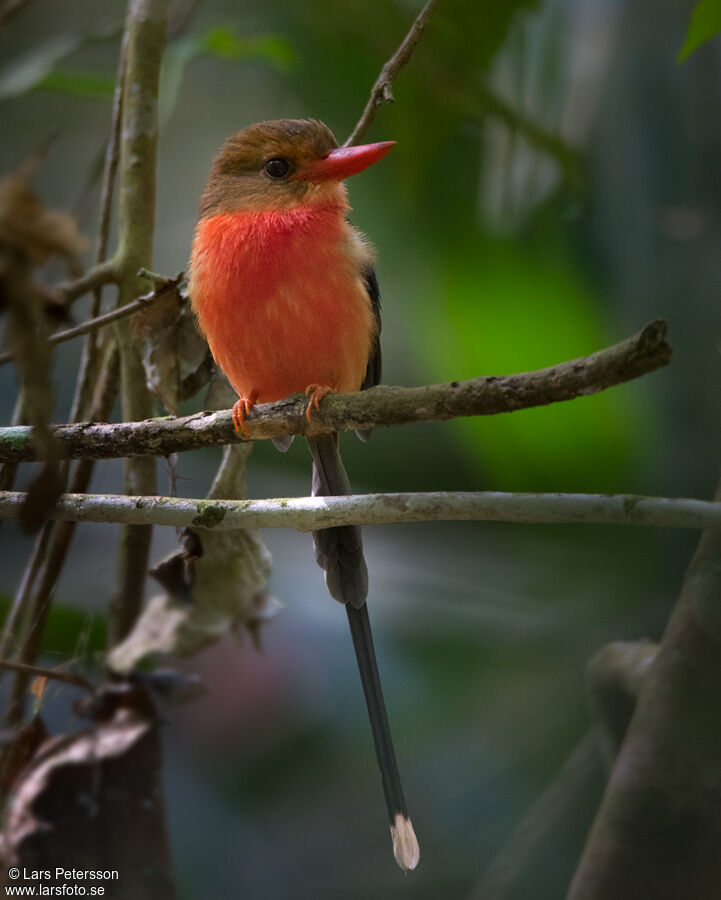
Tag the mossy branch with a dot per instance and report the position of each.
(311, 513)
(381, 406)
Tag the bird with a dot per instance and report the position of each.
(285, 292)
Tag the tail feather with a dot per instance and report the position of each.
(339, 552)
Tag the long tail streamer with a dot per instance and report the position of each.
(339, 552)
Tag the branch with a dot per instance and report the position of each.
(382, 90)
(35, 594)
(25, 622)
(100, 321)
(659, 822)
(98, 275)
(311, 513)
(534, 835)
(614, 677)
(145, 31)
(568, 156)
(94, 396)
(380, 406)
(40, 672)
(88, 374)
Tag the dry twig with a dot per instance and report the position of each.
(382, 90)
(97, 322)
(41, 672)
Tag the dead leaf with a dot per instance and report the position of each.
(220, 394)
(93, 800)
(29, 235)
(174, 354)
(216, 583)
(30, 228)
(265, 608)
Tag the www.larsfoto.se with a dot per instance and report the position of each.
(59, 883)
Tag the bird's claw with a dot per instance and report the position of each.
(315, 393)
(241, 408)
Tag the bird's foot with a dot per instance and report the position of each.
(241, 408)
(315, 393)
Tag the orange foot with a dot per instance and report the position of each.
(315, 393)
(241, 408)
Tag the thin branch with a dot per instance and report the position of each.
(100, 321)
(13, 624)
(60, 534)
(104, 167)
(110, 164)
(98, 275)
(311, 513)
(382, 90)
(380, 406)
(8, 470)
(88, 373)
(94, 396)
(145, 32)
(41, 672)
(568, 157)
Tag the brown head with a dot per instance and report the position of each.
(279, 164)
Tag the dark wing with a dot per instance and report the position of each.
(373, 370)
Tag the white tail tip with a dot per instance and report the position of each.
(405, 844)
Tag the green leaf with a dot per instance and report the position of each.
(89, 85)
(70, 631)
(29, 69)
(74, 632)
(219, 42)
(224, 42)
(705, 24)
(177, 56)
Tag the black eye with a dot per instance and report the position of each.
(278, 167)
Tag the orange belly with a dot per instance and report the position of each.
(281, 301)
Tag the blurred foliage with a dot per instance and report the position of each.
(223, 42)
(27, 71)
(71, 632)
(490, 261)
(502, 307)
(36, 68)
(705, 24)
(90, 85)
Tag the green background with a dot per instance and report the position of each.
(494, 255)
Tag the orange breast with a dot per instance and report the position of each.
(281, 300)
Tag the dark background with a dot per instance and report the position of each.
(494, 255)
